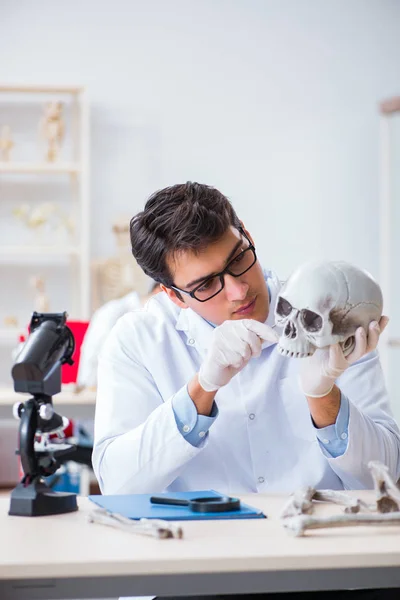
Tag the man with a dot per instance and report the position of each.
(192, 393)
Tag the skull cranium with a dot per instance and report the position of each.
(323, 303)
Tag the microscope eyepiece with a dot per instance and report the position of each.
(37, 369)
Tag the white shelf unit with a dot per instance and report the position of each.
(75, 174)
(42, 89)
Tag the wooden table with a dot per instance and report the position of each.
(64, 556)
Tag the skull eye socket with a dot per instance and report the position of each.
(284, 307)
(311, 321)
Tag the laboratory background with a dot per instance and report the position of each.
(290, 108)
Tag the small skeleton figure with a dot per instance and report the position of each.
(41, 303)
(6, 143)
(47, 213)
(52, 129)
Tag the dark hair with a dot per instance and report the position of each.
(182, 217)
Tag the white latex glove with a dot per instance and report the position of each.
(233, 344)
(319, 372)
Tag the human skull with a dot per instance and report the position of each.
(323, 303)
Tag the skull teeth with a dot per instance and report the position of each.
(292, 354)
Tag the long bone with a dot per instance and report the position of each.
(353, 505)
(300, 503)
(299, 524)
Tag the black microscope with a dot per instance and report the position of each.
(37, 371)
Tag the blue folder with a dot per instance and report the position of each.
(138, 506)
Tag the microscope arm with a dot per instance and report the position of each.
(27, 431)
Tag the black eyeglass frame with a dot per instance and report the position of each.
(251, 248)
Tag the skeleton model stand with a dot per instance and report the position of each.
(323, 303)
(297, 515)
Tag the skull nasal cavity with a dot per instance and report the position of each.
(290, 330)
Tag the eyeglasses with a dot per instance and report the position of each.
(212, 286)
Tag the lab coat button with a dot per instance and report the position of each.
(252, 416)
(343, 436)
(261, 480)
(325, 441)
(186, 428)
(202, 434)
(191, 341)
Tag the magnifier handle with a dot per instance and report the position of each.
(165, 500)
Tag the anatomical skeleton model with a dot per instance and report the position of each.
(51, 129)
(118, 275)
(117, 287)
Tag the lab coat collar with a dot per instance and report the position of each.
(198, 331)
(274, 286)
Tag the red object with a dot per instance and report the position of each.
(69, 373)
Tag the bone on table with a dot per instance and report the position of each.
(299, 503)
(352, 504)
(387, 492)
(299, 524)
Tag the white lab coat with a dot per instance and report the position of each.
(263, 439)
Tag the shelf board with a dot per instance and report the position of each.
(39, 168)
(36, 250)
(87, 397)
(41, 89)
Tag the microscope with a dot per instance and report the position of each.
(37, 371)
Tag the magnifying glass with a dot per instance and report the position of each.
(201, 505)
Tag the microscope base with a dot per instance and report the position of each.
(37, 499)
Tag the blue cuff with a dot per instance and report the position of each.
(334, 438)
(193, 427)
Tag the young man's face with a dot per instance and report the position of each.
(243, 297)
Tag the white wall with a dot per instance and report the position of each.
(274, 102)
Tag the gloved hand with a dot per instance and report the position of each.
(319, 372)
(233, 344)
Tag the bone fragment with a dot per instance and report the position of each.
(299, 524)
(352, 504)
(387, 492)
(299, 503)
